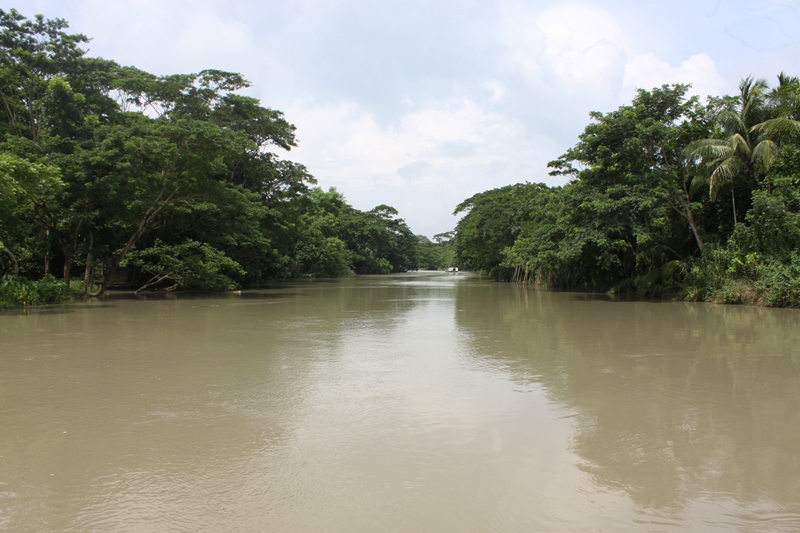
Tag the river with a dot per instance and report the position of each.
(411, 402)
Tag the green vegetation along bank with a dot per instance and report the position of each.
(666, 197)
(112, 175)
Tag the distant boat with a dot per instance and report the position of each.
(454, 270)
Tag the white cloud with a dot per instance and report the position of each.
(525, 41)
(584, 55)
(178, 36)
(459, 121)
(584, 45)
(496, 91)
(434, 157)
(579, 44)
(207, 38)
(346, 142)
(646, 71)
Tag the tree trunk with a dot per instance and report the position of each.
(690, 217)
(46, 257)
(12, 117)
(682, 205)
(67, 268)
(87, 273)
(69, 251)
(14, 262)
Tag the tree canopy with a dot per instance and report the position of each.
(116, 175)
(644, 210)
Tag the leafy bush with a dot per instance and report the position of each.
(16, 293)
(189, 265)
(779, 282)
(733, 275)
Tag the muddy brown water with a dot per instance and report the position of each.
(411, 402)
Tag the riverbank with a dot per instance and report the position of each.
(762, 285)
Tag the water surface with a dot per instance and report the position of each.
(411, 402)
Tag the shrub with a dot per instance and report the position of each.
(16, 292)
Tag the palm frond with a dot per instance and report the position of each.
(779, 129)
(725, 171)
(708, 149)
(739, 144)
(764, 154)
(731, 122)
(753, 94)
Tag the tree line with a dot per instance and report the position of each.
(112, 174)
(667, 196)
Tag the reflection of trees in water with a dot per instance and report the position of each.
(674, 402)
(363, 302)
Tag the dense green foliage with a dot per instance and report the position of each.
(666, 197)
(111, 174)
(15, 292)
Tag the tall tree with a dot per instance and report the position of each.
(25, 191)
(747, 145)
(32, 52)
(629, 182)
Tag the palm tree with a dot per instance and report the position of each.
(785, 98)
(785, 101)
(749, 145)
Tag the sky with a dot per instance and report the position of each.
(420, 104)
